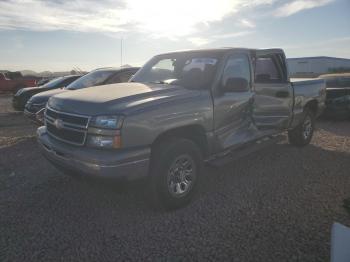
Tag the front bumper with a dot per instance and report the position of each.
(129, 164)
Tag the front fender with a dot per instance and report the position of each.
(143, 127)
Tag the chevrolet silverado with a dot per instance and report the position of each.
(180, 110)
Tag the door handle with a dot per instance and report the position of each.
(282, 94)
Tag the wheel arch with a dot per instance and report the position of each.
(312, 105)
(195, 133)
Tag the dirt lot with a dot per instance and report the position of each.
(274, 205)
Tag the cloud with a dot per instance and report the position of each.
(233, 35)
(157, 18)
(299, 5)
(201, 41)
(247, 23)
(75, 15)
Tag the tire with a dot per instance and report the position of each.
(175, 169)
(302, 134)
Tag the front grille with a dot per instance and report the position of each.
(70, 128)
(69, 118)
(66, 134)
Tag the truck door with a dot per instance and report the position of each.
(233, 99)
(273, 99)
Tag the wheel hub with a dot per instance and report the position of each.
(181, 175)
(307, 127)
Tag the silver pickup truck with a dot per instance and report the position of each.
(180, 110)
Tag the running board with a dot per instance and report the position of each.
(226, 157)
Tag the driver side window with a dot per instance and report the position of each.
(237, 66)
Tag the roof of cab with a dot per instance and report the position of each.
(225, 49)
(116, 68)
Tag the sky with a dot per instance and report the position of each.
(58, 35)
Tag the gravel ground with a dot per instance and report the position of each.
(274, 205)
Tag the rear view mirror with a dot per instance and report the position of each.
(236, 84)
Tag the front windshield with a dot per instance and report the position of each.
(188, 69)
(94, 78)
(54, 83)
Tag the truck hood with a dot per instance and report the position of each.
(43, 97)
(119, 98)
(29, 91)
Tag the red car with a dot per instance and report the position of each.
(14, 84)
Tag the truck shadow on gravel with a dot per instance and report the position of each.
(337, 127)
(278, 169)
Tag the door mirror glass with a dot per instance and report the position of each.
(235, 84)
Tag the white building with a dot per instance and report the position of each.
(315, 66)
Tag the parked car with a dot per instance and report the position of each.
(338, 95)
(34, 108)
(15, 83)
(45, 80)
(23, 95)
(179, 110)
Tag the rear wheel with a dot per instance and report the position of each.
(176, 165)
(302, 134)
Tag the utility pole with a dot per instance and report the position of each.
(121, 52)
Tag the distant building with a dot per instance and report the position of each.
(318, 65)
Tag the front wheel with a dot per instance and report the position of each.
(302, 134)
(175, 171)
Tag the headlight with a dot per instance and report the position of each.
(109, 122)
(104, 141)
(34, 108)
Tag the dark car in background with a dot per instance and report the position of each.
(338, 95)
(45, 80)
(23, 95)
(34, 108)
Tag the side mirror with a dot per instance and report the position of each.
(235, 84)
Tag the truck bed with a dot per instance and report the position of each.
(306, 81)
(306, 90)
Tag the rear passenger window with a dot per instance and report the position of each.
(344, 81)
(332, 82)
(338, 82)
(268, 69)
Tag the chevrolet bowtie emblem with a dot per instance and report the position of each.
(58, 124)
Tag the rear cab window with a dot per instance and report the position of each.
(270, 68)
